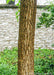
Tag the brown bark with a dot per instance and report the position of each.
(26, 37)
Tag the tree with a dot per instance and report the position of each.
(26, 37)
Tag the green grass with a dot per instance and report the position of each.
(43, 61)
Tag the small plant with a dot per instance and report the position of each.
(47, 19)
(52, 45)
(18, 12)
(10, 1)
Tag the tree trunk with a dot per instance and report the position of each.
(26, 37)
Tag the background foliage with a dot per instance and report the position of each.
(18, 11)
(47, 19)
(9, 1)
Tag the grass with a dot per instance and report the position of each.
(43, 61)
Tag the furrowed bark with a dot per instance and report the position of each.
(26, 37)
